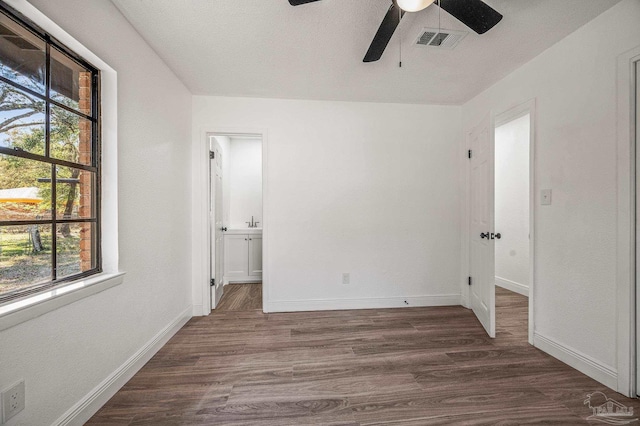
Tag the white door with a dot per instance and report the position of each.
(255, 256)
(217, 251)
(236, 259)
(482, 267)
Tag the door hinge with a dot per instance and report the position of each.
(213, 282)
(212, 155)
(469, 154)
(469, 280)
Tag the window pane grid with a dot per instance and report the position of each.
(25, 154)
(45, 221)
(91, 117)
(72, 150)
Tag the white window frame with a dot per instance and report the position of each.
(40, 303)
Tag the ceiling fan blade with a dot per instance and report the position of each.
(475, 14)
(385, 32)
(299, 2)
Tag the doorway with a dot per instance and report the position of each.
(511, 207)
(501, 220)
(236, 220)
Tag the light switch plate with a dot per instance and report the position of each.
(545, 197)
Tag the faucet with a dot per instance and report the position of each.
(252, 224)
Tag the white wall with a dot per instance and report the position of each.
(512, 204)
(369, 189)
(64, 354)
(574, 83)
(245, 182)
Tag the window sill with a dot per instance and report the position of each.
(41, 303)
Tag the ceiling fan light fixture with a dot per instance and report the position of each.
(414, 5)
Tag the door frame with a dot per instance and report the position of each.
(201, 228)
(497, 119)
(528, 107)
(626, 277)
(635, 132)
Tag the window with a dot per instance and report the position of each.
(49, 161)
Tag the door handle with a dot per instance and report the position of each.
(483, 235)
(224, 228)
(496, 236)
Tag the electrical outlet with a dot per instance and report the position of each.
(346, 278)
(13, 401)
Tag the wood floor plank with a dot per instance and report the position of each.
(263, 415)
(183, 399)
(547, 415)
(496, 356)
(413, 366)
(458, 400)
(241, 297)
(496, 375)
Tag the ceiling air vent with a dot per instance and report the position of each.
(443, 39)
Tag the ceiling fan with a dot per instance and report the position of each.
(475, 14)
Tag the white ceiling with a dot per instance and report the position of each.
(267, 48)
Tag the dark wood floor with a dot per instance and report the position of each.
(414, 366)
(241, 297)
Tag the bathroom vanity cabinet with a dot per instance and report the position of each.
(243, 255)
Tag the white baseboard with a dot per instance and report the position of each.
(513, 286)
(197, 311)
(366, 303)
(593, 368)
(91, 403)
(464, 301)
(218, 294)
